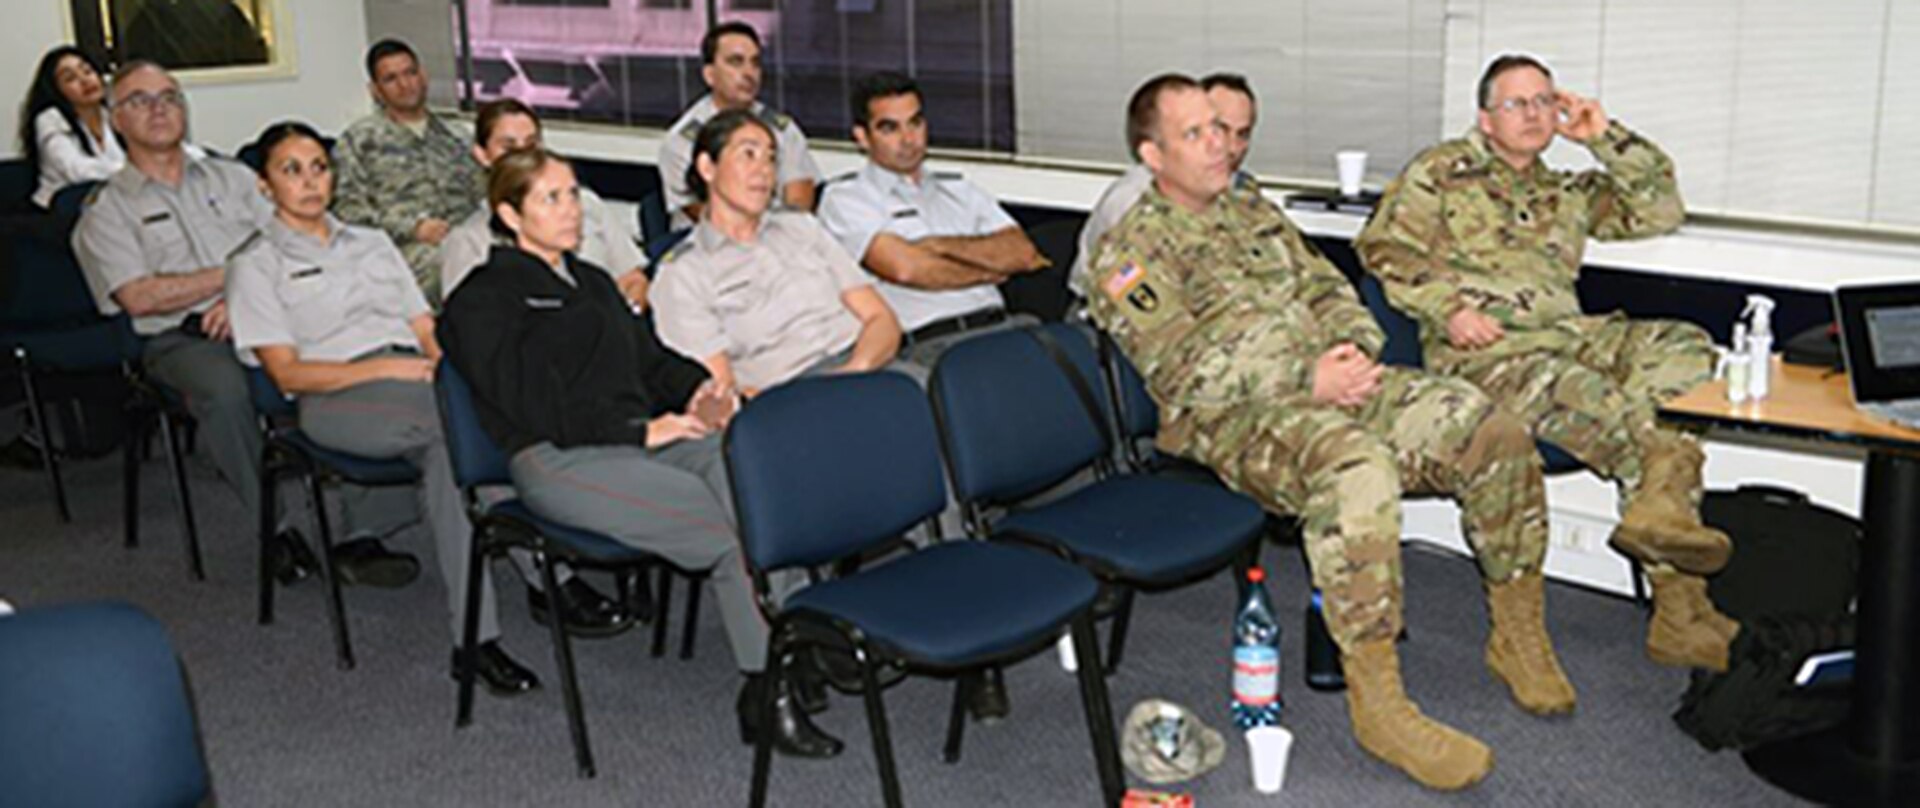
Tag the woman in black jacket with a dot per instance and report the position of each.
(606, 429)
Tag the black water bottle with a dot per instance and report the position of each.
(1323, 657)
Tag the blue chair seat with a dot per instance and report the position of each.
(98, 346)
(1153, 530)
(595, 546)
(957, 603)
(352, 468)
(1556, 460)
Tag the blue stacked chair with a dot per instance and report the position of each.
(830, 470)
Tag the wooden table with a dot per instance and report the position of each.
(1873, 759)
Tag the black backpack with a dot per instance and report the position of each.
(1791, 585)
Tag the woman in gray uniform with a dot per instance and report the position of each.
(333, 315)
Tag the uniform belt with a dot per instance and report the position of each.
(956, 324)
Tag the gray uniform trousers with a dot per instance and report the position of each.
(213, 386)
(674, 501)
(387, 419)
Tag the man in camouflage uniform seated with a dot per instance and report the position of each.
(1261, 359)
(1481, 242)
(403, 169)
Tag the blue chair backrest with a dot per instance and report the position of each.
(830, 466)
(267, 398)
(1403, 334)
(95, 711)
(18, 179)
(654, 220)
(1011, 422)
(48, 288)
(477, 460)
(68, 201)
(1139, 414)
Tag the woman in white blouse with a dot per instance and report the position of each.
(63, 125)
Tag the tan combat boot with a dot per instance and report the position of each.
(1519, 650)
(1686, 630)
(1392, 729)
(1662, 524)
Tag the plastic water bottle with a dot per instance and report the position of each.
(1323, 657)
(1256, 657)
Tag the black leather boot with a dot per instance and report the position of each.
(794, 734)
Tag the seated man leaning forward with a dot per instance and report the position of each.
(334, 316)
(938, 244)
(1481, 242)
(1261, 359)
(762, 297)
(503, 126)
(606, 429)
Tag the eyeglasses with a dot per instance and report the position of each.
(1542, 103)
(147, 102)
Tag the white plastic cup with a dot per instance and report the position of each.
(1353, 169)
(1067, 661)
(1269, 748)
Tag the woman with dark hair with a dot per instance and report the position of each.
(332, 313)
(605, 429)
(760, 296)
(63, 124)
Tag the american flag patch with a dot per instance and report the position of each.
(1123, 281)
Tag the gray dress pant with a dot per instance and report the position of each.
(674, 502)
(389, 419)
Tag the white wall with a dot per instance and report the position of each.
(328, 89)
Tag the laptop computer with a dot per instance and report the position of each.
(1880, 338)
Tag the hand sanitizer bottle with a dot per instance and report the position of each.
(1759, 345)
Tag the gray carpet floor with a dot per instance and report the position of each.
(283, 726)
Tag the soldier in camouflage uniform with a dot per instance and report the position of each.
(1261, 359)
(1481, 242)
(403, 169)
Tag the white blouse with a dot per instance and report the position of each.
(63, 162)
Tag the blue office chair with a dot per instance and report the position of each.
(826, 470)
(479, 463)
(288, 451)
(97, 711)
(1132, 531)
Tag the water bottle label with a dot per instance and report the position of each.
(1256, 675)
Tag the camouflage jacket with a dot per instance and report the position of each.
(1461, 227)
(1221, 309)
(390, 178)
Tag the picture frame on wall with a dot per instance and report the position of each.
(201, 40)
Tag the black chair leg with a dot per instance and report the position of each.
(1093, 699)
(763, 704)
(336, 612)
(49, 461)
(130, 477)
(563, 659)
(1117, 640)
(470, 628)
(877, 726)
(693, 617)
(177, 460)
(269, 514)
(957, 716)
(662, 601)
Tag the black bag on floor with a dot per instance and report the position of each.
(1791, 585)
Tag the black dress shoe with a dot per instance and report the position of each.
(987, 698)
(367, 562)
(501, 675)
(292, 561)
(794, 735)
(587, 612)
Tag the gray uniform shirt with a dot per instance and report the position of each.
(772, 306)
(331, 301)
(604, 242)
(858, 207)
(134, 226)
(676, 153)
(1114, 203)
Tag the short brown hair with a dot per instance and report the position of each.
(512, 177)
(490, 113)
(1143, 110)
(1506, 62)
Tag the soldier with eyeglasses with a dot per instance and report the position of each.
(1481, 242)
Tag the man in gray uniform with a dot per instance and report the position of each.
(403, 169)
(1233, 100)
(730, 53)
(153, 242)
(506, 125)
(938, 244)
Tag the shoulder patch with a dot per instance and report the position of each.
(93, 195)
(245, 244)
(840, 178)
(678, 249)
(775, 118)
(691, 129)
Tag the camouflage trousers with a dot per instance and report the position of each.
(1342, 472)
(424, 260)
(1598, 397)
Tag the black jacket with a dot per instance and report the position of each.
(554, 362)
